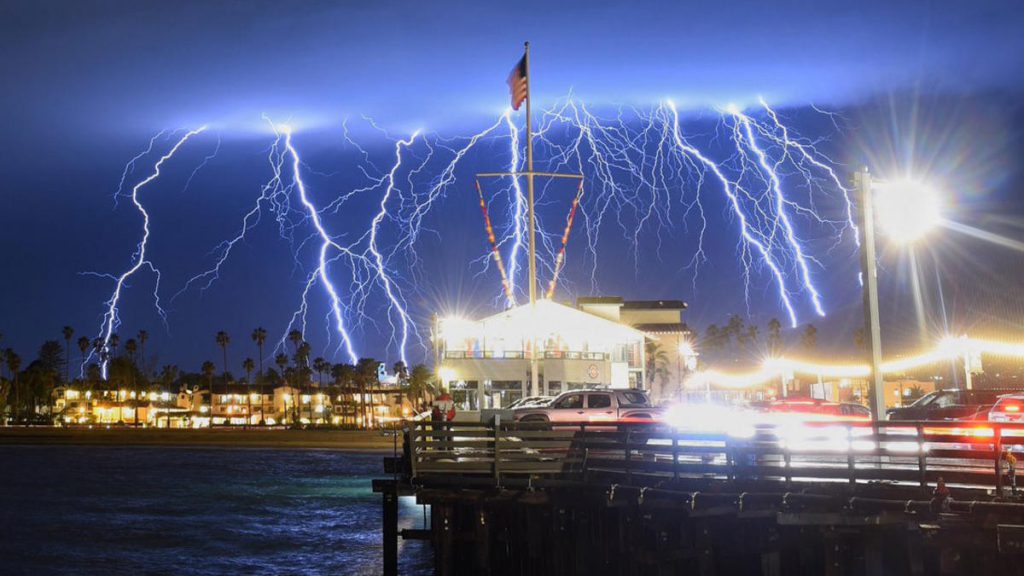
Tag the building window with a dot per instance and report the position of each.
(554, 388)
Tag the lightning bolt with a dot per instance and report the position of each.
(642, 174)
(110, 318)
(378, 258)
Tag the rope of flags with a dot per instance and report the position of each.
(560, 259)
(494, 246)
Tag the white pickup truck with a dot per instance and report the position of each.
(593, 406)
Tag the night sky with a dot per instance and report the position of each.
(922, 87)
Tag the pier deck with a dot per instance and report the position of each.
(600, 498)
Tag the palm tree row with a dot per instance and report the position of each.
(129, 368)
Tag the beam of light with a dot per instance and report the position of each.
(985, 235)
(383, 276)
(915, 286)
(781, 205)
(729, 187)
(947, 349)
(111, 318)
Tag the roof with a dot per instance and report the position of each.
(560, 315)
(599, 300)
(662, 328)
(654, 305)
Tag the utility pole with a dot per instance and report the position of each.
(869, 278)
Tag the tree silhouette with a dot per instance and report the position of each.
(248, 366)
(774, 337)
(259, 336)
(68, 332)
(809, 339)
(223, 340)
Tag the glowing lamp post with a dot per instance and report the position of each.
(907, 210)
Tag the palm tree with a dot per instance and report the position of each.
(295, 337)
(114, 342)
(223, 340)
(401, 378)
(130, 348)
(366, 377)
(320, 366)
(809, 339)
(143, 336)
(657, 364)
(343, 375)
(259, 336)
(302, 372)
(208, 369)
(774, 337)
(248, 365)
(859, 340)
(14, 364)
(282, 360)
(83, 346)
(68, 332)
(419, 382)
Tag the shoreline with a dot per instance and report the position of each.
(342, 440)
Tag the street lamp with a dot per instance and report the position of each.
(907, 210)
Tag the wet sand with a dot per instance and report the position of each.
(217, 437)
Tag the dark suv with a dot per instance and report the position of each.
(950, 405)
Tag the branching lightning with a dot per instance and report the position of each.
(139, 259)
(644, 175)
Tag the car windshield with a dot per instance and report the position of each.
(926, 399)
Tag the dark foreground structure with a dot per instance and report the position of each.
(864, 498)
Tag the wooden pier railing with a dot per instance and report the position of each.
(970, 455)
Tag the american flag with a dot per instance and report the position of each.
(517, 83)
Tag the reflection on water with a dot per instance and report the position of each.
(88, 510)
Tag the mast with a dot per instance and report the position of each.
(534, 377)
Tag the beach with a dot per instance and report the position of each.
(216, 437)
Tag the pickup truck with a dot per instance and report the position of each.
(950, 405)
(592, 406)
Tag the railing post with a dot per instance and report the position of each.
(675, 455)
(851, 460)
(922, 464)
(497, 450)
(412, 448)
(629, 456)
(997, 448)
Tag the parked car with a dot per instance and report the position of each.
(593, 406)
(951, 405)
(531, 401)
(815, 409)
(1008, 408)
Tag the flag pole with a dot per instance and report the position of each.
(534, 376)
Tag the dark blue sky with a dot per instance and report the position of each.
(86, 84)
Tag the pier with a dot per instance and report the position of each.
(857, 498)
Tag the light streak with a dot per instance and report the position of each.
(110, 318)
(950, 348)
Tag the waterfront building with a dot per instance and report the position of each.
(486, 363)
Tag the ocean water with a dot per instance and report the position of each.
(169, 510)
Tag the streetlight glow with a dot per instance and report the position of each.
(907, 209)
